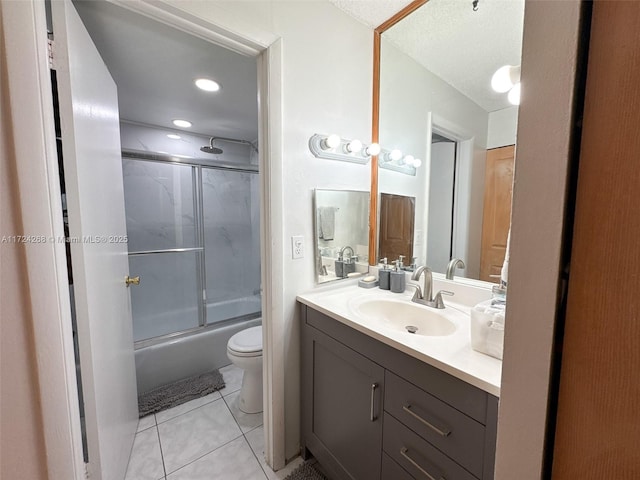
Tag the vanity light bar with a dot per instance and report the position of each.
(333, 147)
(394, 160)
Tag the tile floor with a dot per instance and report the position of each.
(206, 439)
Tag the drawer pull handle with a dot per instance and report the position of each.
(373, 394)
(444, 433)
(404, 451)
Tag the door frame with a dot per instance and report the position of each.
(33, 133)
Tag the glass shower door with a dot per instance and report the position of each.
(231, 226)
(164, 246)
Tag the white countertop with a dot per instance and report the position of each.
(451, 354)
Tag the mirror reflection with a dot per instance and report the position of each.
(437, 104)
(341, 232)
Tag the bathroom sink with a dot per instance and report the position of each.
(404, 316)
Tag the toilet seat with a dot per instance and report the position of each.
(246, 343)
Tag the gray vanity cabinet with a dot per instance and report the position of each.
(372, 412)
(344, 423)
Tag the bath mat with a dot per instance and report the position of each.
(306, 471)
(179, 392)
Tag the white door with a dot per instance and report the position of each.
(93, 174)
(441, 188)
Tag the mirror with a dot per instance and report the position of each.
(341, 230)
(436, 103)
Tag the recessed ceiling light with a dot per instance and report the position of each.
(173, 136)
(207, 85)
(182, 123)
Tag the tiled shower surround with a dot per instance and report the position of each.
(161, 209)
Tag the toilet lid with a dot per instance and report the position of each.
(246, 341)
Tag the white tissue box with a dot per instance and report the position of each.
(487, 328)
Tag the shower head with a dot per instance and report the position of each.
(210, 148)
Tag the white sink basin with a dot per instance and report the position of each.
(404, 316)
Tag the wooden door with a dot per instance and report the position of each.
(397, 214)
(598, 420)
(95, 198)
(496, 218)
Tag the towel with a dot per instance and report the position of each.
(327, 222)
(487, 328)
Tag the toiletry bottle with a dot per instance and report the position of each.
(339, 266)
(383, 275)
(397, 279)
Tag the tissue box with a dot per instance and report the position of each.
(487, 328)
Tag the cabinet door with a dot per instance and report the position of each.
(342, 392)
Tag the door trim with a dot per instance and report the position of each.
(33, 136)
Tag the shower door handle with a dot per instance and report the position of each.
(132, 280)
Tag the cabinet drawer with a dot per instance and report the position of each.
(392, 471)
(450, 431)
(417, 456)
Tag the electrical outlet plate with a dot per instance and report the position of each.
(297, 246)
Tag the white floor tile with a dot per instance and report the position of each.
(256, 441)
(186, 407)
(247, 421)
(190, 436)
(233, 461)
(232, 378)
(146, 460)
(146, 422)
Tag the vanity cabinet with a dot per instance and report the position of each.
(370, 411)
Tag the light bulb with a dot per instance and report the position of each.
(514, 95)
(408, 160)
(505, 78)
(207, 84)
(173, 136)
(417, 162)
(332, 141)
(354, 146)
(372, 150)
(394, 155)
(182, 123)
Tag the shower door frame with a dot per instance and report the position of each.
(197, 165)
(33, 136)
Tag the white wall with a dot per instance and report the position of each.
(327, 87)
(502, 127)
(409, 93)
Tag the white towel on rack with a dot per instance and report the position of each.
(327, 222)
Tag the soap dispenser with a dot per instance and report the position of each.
(397, 278)
(383, 275)
(339, 266)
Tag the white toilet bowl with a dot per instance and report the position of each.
(244, 350)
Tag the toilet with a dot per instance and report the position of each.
(244, 349)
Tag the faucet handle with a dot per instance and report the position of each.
(437, 301)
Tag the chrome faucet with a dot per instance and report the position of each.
(453, 264)
(424, 296)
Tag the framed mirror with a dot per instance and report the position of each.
(433, 100)
(341, 231)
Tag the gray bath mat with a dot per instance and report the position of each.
(306, 471)
(179, 392)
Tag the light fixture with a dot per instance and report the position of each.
(393, 155)
(173, 136)
(372, 150)
(182, 123)
(330, 142)
(354, 146)
(505, 78)
(514, 94)
(207, 84)
(407, 160)
(417, 162)
(333, 147)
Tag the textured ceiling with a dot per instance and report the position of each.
(371, 12)
(154, 67)
(447, 37)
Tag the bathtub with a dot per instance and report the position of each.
(197, 352)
